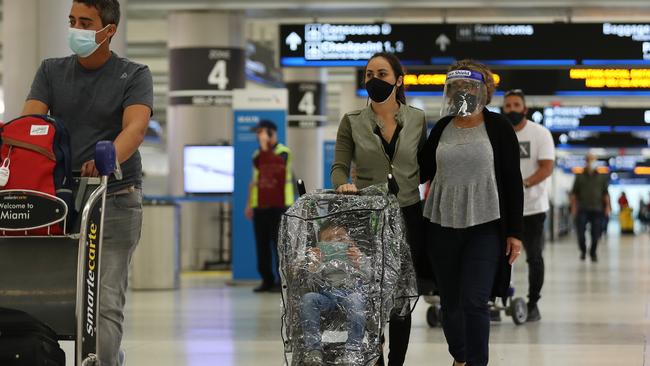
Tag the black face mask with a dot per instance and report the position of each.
(515, 117)
(379, 90)
(464, 103)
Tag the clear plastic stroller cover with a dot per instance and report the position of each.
(345, 267)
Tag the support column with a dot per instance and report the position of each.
(119, 42)
(200, 111)
(32, 30)
(206, 63)
(307, 119)
(348, 102)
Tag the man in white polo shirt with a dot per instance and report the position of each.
(537, 155)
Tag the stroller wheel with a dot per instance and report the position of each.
(434, 316)
(519, 310)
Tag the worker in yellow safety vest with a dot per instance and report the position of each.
(270, 193)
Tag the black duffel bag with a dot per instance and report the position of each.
(26, 341)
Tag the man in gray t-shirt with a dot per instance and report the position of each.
(100, 96)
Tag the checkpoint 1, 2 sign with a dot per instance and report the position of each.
(557, 44)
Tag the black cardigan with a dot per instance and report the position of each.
(505, 147)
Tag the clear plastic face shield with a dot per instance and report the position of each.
(465, 94)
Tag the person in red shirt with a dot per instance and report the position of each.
(270, 193)
(622, 201)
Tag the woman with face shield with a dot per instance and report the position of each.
(474, 210)
(384, 138)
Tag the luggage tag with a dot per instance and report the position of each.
(4, 170)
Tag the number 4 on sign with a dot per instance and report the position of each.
(218, 75)
(306, 104)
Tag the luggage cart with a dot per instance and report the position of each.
(55, 278)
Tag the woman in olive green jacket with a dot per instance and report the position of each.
(384, 138)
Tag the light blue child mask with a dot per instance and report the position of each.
(82, 41)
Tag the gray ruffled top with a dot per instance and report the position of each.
(464, 191)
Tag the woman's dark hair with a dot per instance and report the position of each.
(398, 70)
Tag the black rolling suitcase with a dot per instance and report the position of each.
(25, 341)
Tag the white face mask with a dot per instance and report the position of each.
(82, 41)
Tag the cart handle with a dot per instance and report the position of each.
(301, 187)
(106, 160)
(393, 187)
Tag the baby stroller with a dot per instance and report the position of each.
(515, 307)
(344, 265)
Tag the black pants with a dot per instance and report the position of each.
(595, 219)
(266, 223)
(465, 263)
(534, 246)
(400, 326)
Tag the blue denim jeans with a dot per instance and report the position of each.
(353, 305)
(122, 226)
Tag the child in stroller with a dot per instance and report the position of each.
(337, 268)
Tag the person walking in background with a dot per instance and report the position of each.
(270, 193)
(536, 158)
(590, 204)
(622, 201)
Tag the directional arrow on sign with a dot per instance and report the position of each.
(443, 41)
(293, 41)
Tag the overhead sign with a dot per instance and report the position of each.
(591, 126)
(205, 76)
(260, 65)
(592, 118)
(306, 104)
(572, 81)
(420, 82)
(557, 44)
